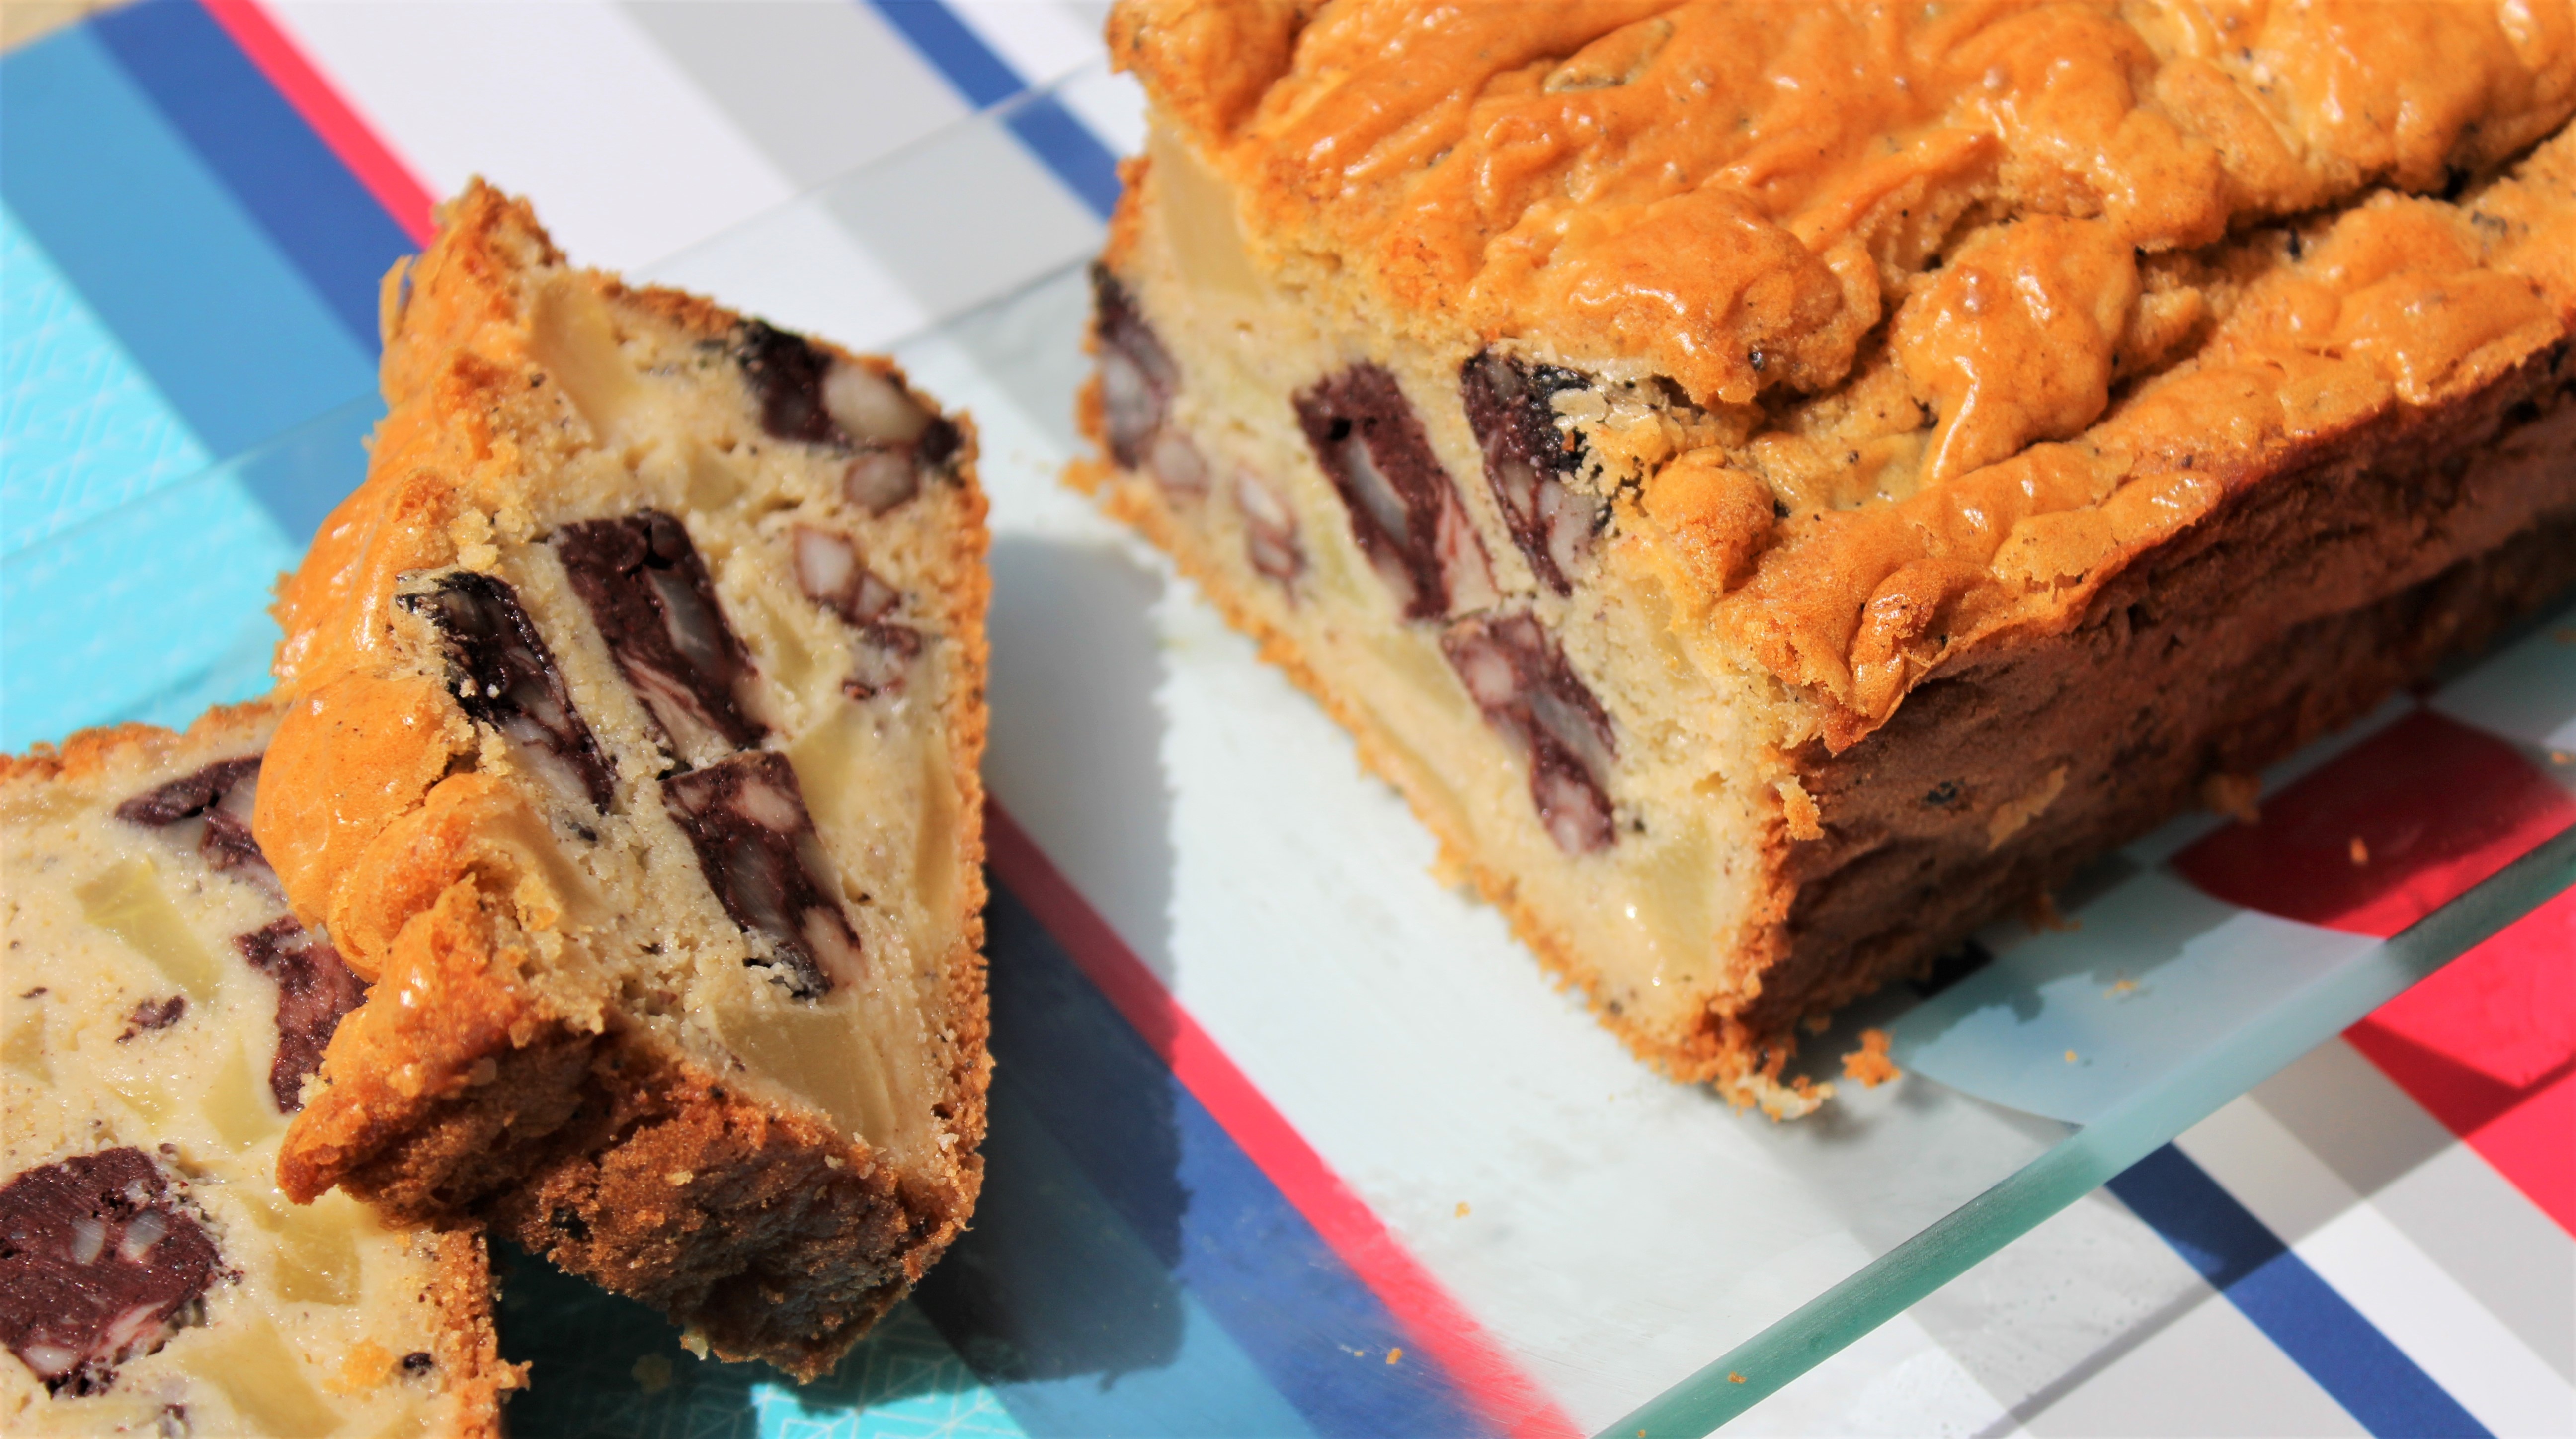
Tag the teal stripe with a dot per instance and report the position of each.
(225, 327)
(82, 430)
(151, 612)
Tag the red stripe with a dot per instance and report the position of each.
(2387, 831)
(2487, 1044)
(376, 166)
(1509, 1398)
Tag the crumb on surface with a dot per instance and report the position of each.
(2233, 795)
(1731, 1377)
(1395, 1356)
(2070, 1057)
(2360, 852)
(2123, 989)
(2044, 917)
(1869, 1064)
(1462, 1209)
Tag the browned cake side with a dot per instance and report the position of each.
(1763, 551)
(635, 705)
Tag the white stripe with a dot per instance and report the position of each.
(1893, 1380)
(799, 269)
(2368, 1260)
(2444, 1196)
(1112, 105)
(568, 103)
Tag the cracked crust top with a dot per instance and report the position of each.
(1978, 296)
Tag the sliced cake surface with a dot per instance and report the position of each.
(1776, 486)
(634, 709)
(160, 1016)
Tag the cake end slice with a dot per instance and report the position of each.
(634, 705)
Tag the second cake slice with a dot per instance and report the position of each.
(636, 705)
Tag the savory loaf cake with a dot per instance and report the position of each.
(634, 709)
(1776, 486)
(160, 1016)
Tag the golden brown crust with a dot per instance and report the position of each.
(1856, 235)
(1521, 166)
(1859, 607)
(495, 1090)
(87, 752)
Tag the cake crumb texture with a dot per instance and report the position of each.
(160, 1015)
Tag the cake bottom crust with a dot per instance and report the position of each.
(616, 1159)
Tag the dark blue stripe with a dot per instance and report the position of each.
(230, 332)
(314, 210)
(1051, 132)
(1182, 1192)
(983, 77)
(2318, 1328)
(1067, 146)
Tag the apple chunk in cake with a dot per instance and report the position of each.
(1777, 486)
(635, 703)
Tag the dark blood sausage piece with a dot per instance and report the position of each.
(505, 677)
(223, 793)
(152, 1014)
(1404, 511)
(1137, 376)
(939, 442)
(98, 1265)
(746, 818)
(1534, 699)
(656, 607)
(884, 660)
(315, 991)
(1526, 462)
(787, 375)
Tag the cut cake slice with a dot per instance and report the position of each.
(160, 1014)
(634, 709)
(1778, 486)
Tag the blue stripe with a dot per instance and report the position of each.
(1117, 1210)
(226, 329)
(313, 209)
(982, 76)
(1068, 147)
(2318, 1328)
(1051, 132)
(81, 428)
